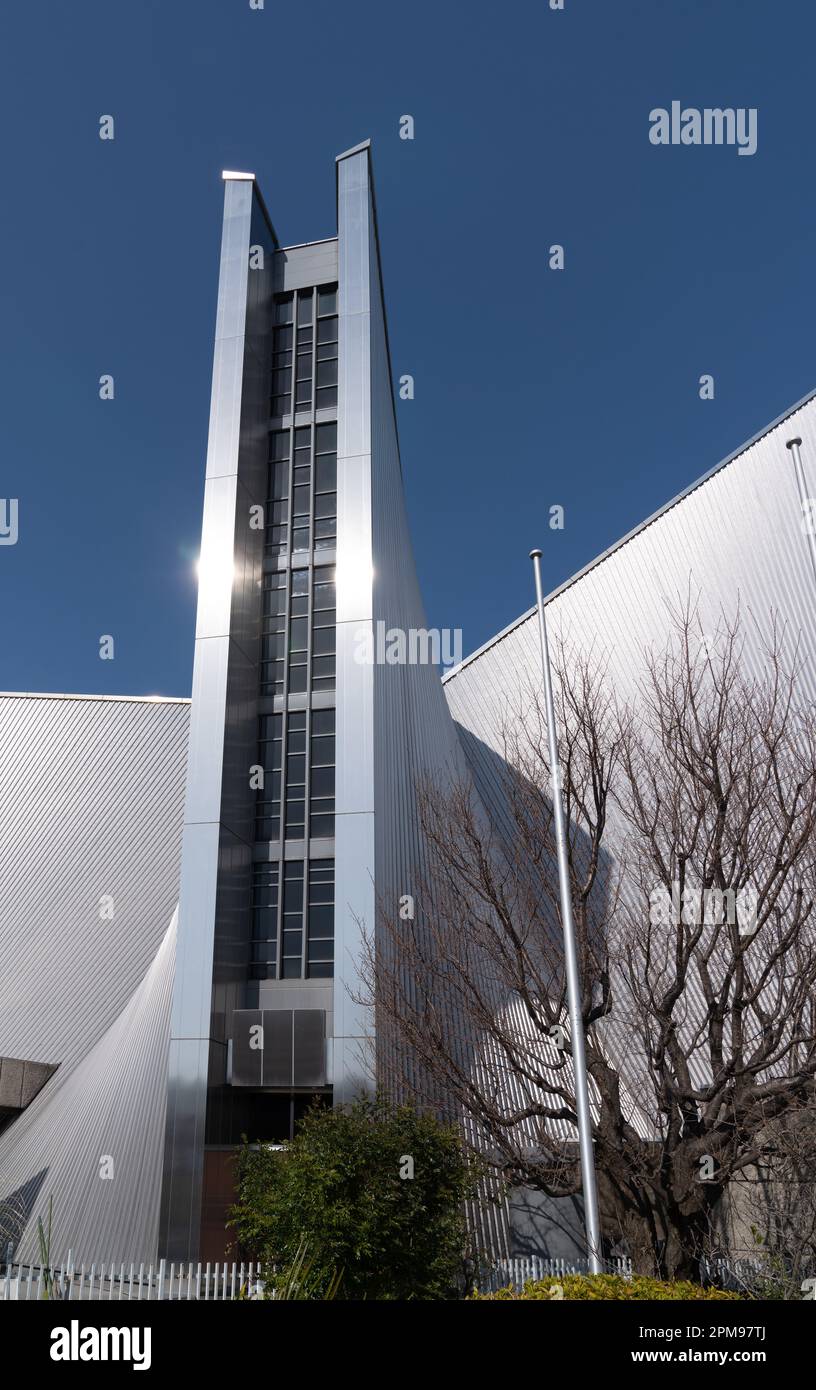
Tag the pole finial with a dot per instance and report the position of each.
(536, 554)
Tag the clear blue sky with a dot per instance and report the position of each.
(533, 387)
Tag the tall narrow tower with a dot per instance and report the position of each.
(304, 751)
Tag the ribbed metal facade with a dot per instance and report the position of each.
(91, 799)
(738, 534)
(736, 538)
(393, 722)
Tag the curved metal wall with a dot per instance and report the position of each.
(91, 803)
(93, 1139)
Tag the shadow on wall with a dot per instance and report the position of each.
(540, 1225)
(550, 1227)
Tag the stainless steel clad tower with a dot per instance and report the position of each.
(212, 952)
(304, 748)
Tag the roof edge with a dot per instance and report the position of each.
(70, 695)
(630, 535)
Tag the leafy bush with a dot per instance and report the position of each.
(342, 1190)
(591, 1287)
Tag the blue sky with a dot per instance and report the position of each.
(534, 387)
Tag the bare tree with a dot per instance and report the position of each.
(692, 808)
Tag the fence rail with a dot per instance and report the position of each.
(516, 1272)
(132, 1283)
(169, 1280)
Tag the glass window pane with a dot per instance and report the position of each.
(293, 876)
(327, 330)
(323, 781)
(327, 373)
(325, 503)
(324, 641)
(327, 299)
(323, 751)
(279, 483)
(323, 722)
(305, 300)
(272, 646)
(321, 920)
(279, 445)
(325, 474)
(274, 602)
(298, 634)
(283, 309)
(324, 598)
(326, 438)
(326, 397)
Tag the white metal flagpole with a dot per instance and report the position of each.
(591, 1221)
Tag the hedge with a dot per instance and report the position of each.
(592, 1287)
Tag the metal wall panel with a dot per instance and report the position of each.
(91, 806)
(737, 537)
(300, 267)
(93, 1138)
(309, 1047)
(354, 790)
(213, 934)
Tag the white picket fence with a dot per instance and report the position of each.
(166, 1280)
(516, 1272)
(169, 1280)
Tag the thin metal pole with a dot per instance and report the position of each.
(591, 1221)
(808, 503)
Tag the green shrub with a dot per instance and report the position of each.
(340, 1190)
(592, 1287)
